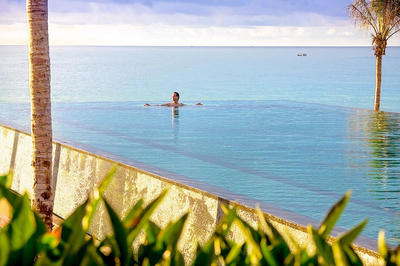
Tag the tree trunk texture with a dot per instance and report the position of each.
(41, 125)
(378, 83)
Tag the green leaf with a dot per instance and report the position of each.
(382, 247)
(152, 231)
(351, 235)
(74, 228)
(21, 233)
(19, 239)
(144, 217)
(177, 259)
(268, 257)
(226, 221)
(132, 214)
(81, 255)
(166, 258)
(6, 180)
(206, 255)
(44, 260)
(5, 247)
(234, 254)
(96, 197)
(107, 180)
(255, 255)
(33, 246)
(171, 234)
(305, 259)
(9, 195)
(3, 180)
(323, 248)
(92, 256)
(119, 233)
(167, 241)
(333, 215)
(49, 243)
(40, 226)
(73, 224)
(72, 233)
(273, 236)
(109, 244)
(30, 251)
(147, 253)
(290, 259)
(339, 255)
(22, 225)
(352, 256)
(280, 251)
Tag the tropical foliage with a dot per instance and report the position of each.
(382, 19)
(24, 241)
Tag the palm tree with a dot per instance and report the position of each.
(382, 19)
(41, 128)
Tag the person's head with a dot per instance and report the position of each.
(175, 96)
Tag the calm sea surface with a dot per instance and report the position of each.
(288, 131)
(336, 76)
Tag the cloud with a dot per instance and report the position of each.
(195, 13)
(163, 34)
(13, 34)
(184, 12)
(183, 22)
(12, 12)
(330, 31)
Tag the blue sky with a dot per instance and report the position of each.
(185, 22)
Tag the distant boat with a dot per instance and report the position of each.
(302, 54)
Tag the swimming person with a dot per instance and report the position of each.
(175, 101)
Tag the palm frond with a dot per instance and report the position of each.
(382, 17)
(361, 15)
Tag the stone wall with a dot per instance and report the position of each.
(76, 172)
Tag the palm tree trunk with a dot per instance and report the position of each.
(378, 82)
(39, 83)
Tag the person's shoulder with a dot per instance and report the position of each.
(168, 104)
(173, 104)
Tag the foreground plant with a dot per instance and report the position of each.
(24, 241)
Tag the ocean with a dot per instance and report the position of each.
(293, 131)
(341, 76)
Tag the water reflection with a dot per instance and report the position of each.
(377, 143)
(376, 154)
(175, 122)
(383, 139)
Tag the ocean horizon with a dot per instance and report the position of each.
(342, 76)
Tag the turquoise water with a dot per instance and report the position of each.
(273, 126)
(336, 76)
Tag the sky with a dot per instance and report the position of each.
(189, 23)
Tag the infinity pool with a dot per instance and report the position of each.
(299, 157)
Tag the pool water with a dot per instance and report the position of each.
(298, 156)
